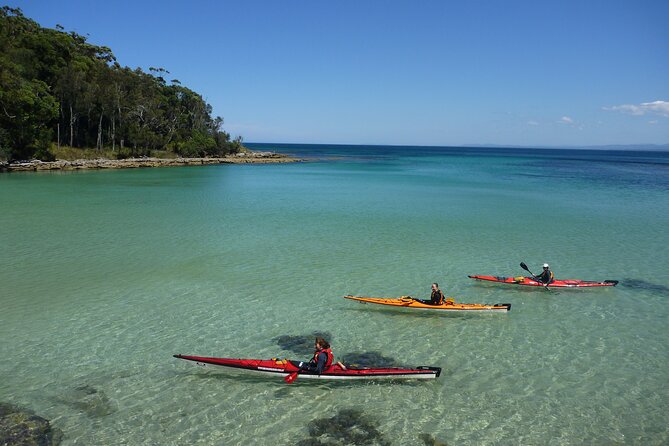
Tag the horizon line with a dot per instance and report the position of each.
(640, 147)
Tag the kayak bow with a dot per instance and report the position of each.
(284, 367)
(411, 304)
(528, 281)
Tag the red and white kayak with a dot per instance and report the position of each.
(284, 367)
(528, 281)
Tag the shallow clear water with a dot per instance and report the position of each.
(106, 274)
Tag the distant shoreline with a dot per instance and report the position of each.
(130, 163)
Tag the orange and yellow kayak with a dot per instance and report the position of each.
(411, 304)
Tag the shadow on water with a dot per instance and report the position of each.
(302, 345)
(369, 359)
(639, 284)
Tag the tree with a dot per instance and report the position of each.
(55, 86)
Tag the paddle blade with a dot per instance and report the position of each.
(523, 266)
(290, 378)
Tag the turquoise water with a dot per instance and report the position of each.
(106, 274)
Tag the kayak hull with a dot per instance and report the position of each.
(529, 282)
(282, 368)
(412, 305)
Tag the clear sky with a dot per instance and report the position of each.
(534, 72)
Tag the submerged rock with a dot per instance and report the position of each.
(89, 400)
(19, 427)
(301, 344)
(429, 440)
(346, 427)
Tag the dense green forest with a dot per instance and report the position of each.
(56, 89)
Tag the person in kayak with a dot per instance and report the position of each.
(546, 276)
(436, 298)
(322, 359)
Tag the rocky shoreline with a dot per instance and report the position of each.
(129, 163)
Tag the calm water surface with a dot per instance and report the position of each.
(106, 274)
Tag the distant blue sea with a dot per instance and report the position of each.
(393, 152)
(618, 165)
(107, 274)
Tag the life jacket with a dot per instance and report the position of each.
(551, 277)
(330, 359)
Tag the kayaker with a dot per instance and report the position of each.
(436, 298)
(322, 359)
(546, 276)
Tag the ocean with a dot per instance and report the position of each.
(106, 274)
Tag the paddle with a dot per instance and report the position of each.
(292, 377)
(523, 266)
(288, 379)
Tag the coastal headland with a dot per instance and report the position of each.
(129, 163)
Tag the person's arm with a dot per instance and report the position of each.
(315, 366)
(322, 360)
(308, 365)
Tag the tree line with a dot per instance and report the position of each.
(58, 89)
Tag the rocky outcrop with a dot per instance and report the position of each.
(19, 427)
(102, 163)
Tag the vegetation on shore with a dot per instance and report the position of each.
(56, 90)
(74, 153)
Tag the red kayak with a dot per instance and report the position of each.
(528, 281)
(285, 367)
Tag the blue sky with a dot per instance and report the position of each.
(542, 73)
